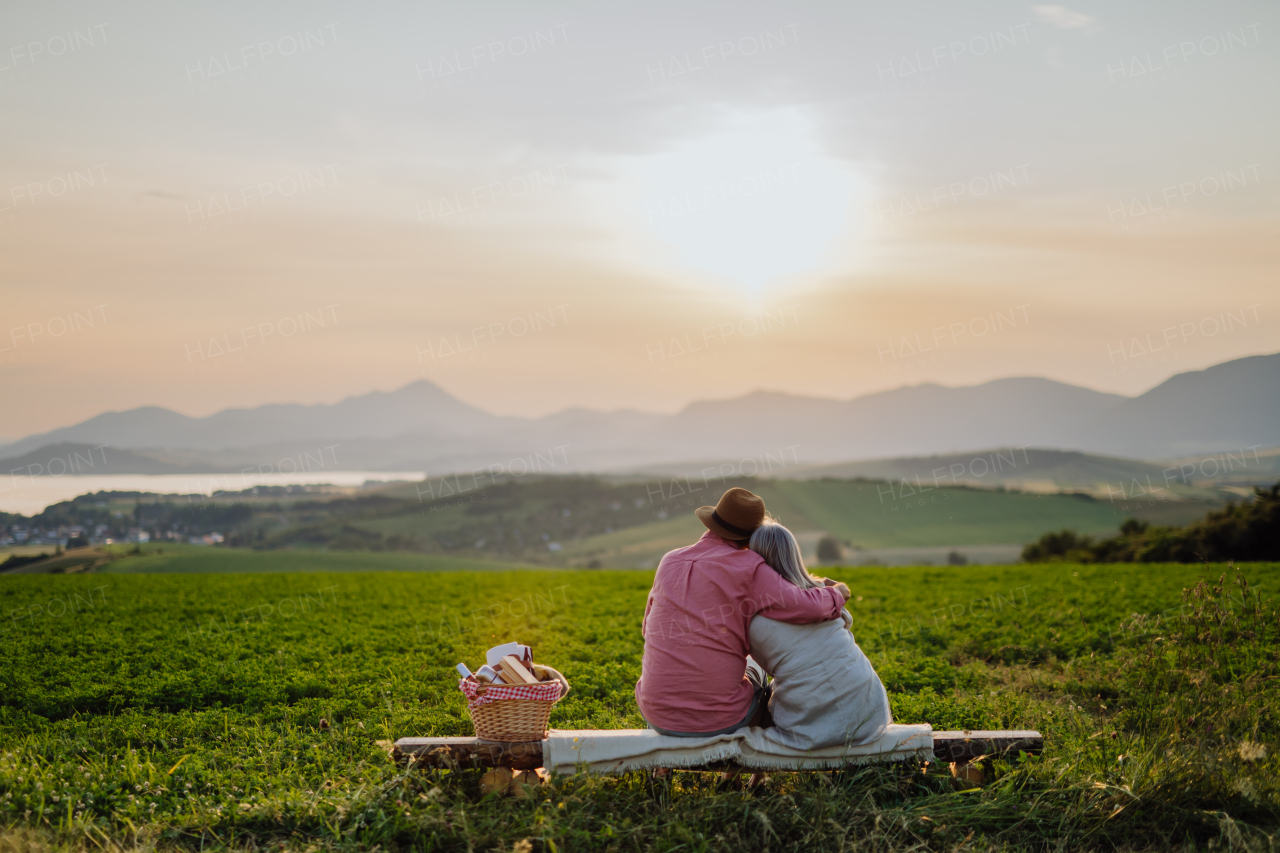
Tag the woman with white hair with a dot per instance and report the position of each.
(825, 691)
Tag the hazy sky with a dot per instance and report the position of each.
(544, 205)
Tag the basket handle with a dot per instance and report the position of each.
(564, 685)
(555, 674)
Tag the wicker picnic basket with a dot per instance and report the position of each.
(513, 713)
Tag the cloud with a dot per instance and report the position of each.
(1065, 19)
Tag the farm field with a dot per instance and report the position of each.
(184, 711)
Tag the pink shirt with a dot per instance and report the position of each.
(693, 674)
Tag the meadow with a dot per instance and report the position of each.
(253, 711)
(180, 558)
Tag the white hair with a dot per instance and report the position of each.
(779, 548)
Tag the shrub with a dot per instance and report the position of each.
(1242, 532)
(828, 550)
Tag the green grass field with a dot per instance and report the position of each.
(885, 515)
(195, 559)
(184, 711)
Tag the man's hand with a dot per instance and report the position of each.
(841, 588)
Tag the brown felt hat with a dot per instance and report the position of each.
(736, 516)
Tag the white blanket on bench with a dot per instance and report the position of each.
(620, 750)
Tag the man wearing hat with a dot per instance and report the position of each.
(694, 677)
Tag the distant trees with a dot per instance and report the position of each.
(15, 561)
(1241, 532)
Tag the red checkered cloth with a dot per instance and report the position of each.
(543, 691)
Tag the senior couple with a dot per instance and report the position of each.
(737, 607)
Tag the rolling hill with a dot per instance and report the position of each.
(78, 459)
(1025, 468)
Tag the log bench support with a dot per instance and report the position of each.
(456, 753)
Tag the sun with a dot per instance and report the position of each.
(753, 200)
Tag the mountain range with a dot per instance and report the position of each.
(421, 427)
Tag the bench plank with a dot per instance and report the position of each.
(965, 746)
(457, 752)
(462, 752)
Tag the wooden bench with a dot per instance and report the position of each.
(470, 752)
